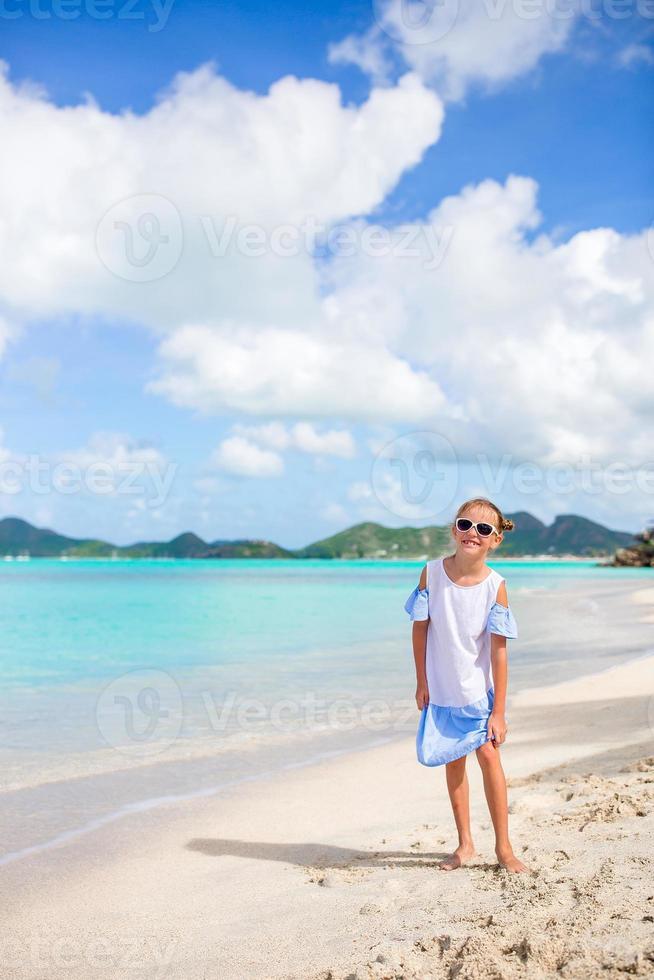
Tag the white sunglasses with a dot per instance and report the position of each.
(483, 529)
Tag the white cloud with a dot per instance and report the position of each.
(364, 51)
(7, 331)
(380, 436)
(206, 155)
(532, 341)
(335, 514)
(111, 464)
(238, 333)
(634, 54)
(272, 434)
(385, 505)
(115, 450)
(332, 443)
(5, 454)
(243, 458)
(40, 374)
(209, 486)
(117, 465)
(514, 343)
(360, 491)
(321, 372)
(457, 43)
(301, 436)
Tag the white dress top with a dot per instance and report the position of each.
(461, 620)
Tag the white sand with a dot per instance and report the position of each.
(330, 871)
(645, 597)
(627, 680)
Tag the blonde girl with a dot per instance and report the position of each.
(461, 622)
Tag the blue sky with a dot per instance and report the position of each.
(79, 377)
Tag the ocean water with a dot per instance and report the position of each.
(127, 682)
(84, 621)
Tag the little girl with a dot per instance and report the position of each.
(461, 618)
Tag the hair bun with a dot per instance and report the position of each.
(507, 524)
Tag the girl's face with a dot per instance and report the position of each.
(471, 542)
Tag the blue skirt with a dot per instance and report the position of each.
(445, 734)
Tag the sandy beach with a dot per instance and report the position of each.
(329, 871)
(326, 332)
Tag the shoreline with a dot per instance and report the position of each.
(230, 880)
(152, 803)
(184, 773)
(624, 680)
(345, 851)
(595, 560)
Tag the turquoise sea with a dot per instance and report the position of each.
(125, 682)
(70, 621)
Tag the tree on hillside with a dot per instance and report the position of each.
(641, 553)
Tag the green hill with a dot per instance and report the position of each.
(18, 537)
(370, 540)
(187, 545)
(567, 535)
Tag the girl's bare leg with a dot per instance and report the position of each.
(457, 787)
(495, 788)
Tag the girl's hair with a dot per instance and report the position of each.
(503, 523)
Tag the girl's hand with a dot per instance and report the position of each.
(497, 728)
(422, 696)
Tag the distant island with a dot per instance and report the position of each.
(569, 536)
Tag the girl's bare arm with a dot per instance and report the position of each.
(500, 672)
(499, 660)
(499, 663)
(419, 640)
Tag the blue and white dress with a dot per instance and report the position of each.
(458, 661)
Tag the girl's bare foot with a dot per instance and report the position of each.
(508, 860)
(462, 854)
